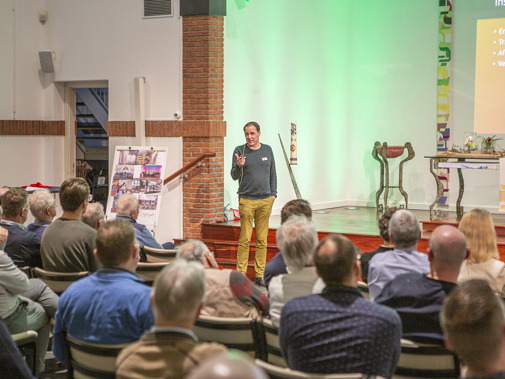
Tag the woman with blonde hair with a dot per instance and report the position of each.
(482, 263)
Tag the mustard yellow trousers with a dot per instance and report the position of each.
(257, 210)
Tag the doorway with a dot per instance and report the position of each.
(87, 142)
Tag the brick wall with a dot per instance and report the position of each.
(203, 186)
(121, 128)
(203, 127)
(32, 128)
(202, 67)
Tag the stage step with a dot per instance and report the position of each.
(223, 240)
(430, 226)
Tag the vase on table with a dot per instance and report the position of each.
(488, 148)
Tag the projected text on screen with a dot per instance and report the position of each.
(489, 112)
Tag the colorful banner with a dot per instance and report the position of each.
(444, 98)
(293, 158)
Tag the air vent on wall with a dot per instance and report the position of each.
(157, 8)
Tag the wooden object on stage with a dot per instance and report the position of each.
(381, 153)
(290, 170)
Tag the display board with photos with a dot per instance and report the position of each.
(138, 171)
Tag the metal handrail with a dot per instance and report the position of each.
(188, 166)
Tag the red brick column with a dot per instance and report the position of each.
(202, 75)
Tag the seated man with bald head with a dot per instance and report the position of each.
(417, 297)
(128, 208)
(338, 331)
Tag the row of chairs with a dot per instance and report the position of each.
(260, 339)
(87, 360)
(153, 261)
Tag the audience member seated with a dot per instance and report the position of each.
(22, 245)
(478, 228)
(11, 361)
(43, 208)
(94, 215)
(110, 306)
(229, 293)
(170, 348)
(276, 265)
(68, 243)
(338, 331)
(473, 320)
(26, 304)
(404, 232)
(297, 239)
(386, 246)
(418, 298)
(233, 365)
(128, 208)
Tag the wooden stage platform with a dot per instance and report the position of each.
(359, 224)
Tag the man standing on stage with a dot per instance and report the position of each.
(254, 167)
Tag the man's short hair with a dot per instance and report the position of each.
(255, 124)
(334, 258)
(473, 319)
(193, 251)
(179, 290)
(383, 223)
(114, 241)
(40, 200)
(13, 201)
(73, 192)
(125, 204)
(297, 207)
(404, 228)
(93, 214)
(297, 239)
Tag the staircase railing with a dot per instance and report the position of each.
(188, 166)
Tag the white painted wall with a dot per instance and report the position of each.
(92, 40)
(26, 160)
